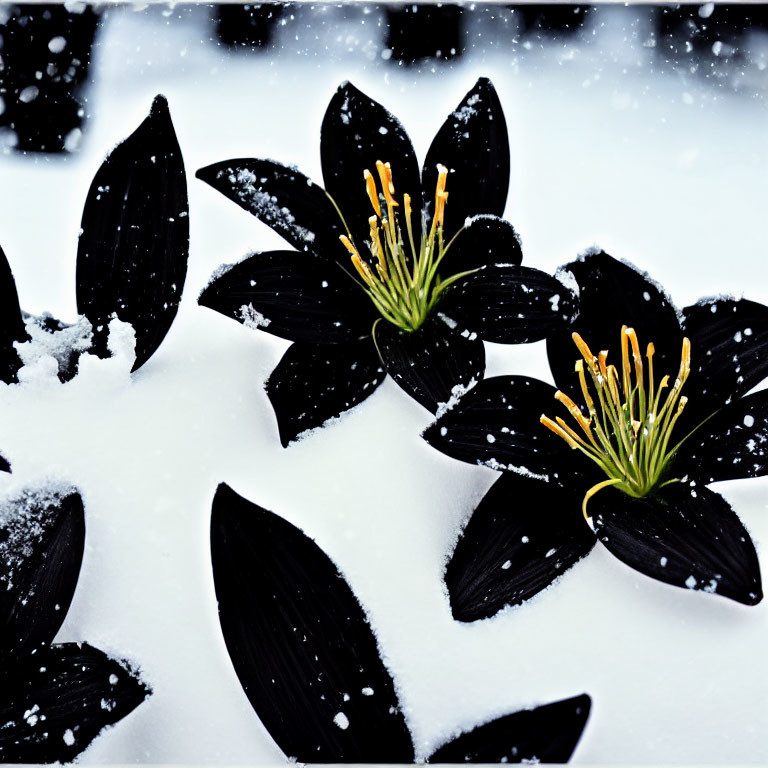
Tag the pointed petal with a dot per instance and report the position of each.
(5, 465)
(546, 734)
(300, 642)
(11, 323)
(54, 703)
(430, 362)
(729, 352)
(356, 132)
(523, 535)
(683, 535)
(284, 199)
(510, 304)
(292, 295)
(134, 243)
(473, 144)
(42, 537)
(611, 294)
(496, 424)
(732, 445)
(314, 383)
(484, 240)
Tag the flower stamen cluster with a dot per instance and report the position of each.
(628, 431)
(405, 285)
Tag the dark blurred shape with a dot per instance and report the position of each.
(552, 17)
(708, 29)
(46, 51)
(417, 32)
(248, 26)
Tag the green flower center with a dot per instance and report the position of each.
(405, 285)
(628, 430)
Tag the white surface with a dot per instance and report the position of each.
(668, 171)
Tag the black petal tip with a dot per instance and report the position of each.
(5, 465)
(160, 108)
(208, 173)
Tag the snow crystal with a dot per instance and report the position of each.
(252, 318)
(341, 720)
(554, 302)
(524, 539)
(691, 582)
(749, 420)
(367, 691)
(113, 679)
(524, 471)
(490, 438)
(663, 562)
(69, 737)
(466, 112)
(737, 337)
(57, 44)
(449, 321)
(506, 565)
(457, 392)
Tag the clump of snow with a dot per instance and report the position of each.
(341, 720)
(457, 392)
(50, 352)
(252, 318)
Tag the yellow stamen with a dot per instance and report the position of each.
(558, 430)
(373, 195)
(574, 410)
(589, 358)
(348, 245)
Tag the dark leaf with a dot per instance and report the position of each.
(546, 734)
(523, 535)
(42, 537)
(497, 424)
(510, 304)
(284, 199)
(473, 144)
(356, 132)
(314, 383)
(732, 445)
(729, 353)
(133, 248)
(612, 294)
(682, 535)
(11, 323)
(484, 240)
(292, 295)
(300, 642)
(430, 362)
(55, 702)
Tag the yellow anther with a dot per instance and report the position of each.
(363, 269)
(601, 358)
(373, 195)
(442, 197)
(651, 351)
(586, 352)
(573, 409)
(685, 360)
(558, 430)
(378, 251)
(385, 175)
(348, 245)
(584, 389)
(637, 357)
(407, 204)
(442, 177)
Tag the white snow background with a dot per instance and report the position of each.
(610, 146)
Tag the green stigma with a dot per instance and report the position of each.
(405, 285)
(628, 430)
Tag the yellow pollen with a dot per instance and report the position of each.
(628, 430)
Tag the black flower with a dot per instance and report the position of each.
(132, 253)
(55, 698)
(631, 452)
(435, 268)
(308, 661)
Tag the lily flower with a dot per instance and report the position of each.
(394, 269)
(55, 698)
(308, 661)
(623, 452)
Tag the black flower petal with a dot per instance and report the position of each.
(356, 132)
(5, 465)
(732, 445)
(546, 734)
(42, 536)
(510, 304)
(300, 642)
(729, 353)
(134, 244)
(55, 702)
(11, 323)
(683, 535)
(497, 424)
(612, 294)
(293, 295)
(523, 535)
(430, 362)
(313, 383)
(284, 199)
(473, 144)
(484, 240)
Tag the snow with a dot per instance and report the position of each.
(605, 163)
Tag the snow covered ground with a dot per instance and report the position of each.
(610, 147)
